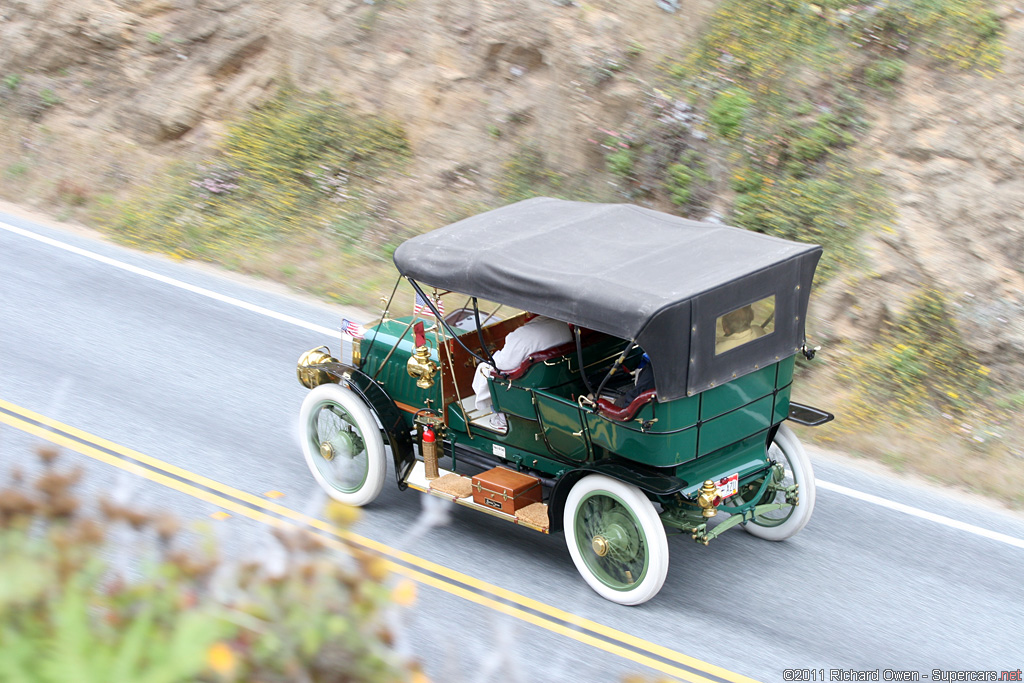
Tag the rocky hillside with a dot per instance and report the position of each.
(597, 100)
(951, 150)
(468, 79)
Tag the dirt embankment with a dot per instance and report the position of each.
(121, 80)
(97, 96)
(950, 150)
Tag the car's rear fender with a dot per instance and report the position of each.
(653, 482)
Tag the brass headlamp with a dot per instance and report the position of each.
(420, 366)
(309, 375)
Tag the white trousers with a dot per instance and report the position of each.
(481, 388)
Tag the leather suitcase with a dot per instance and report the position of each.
(505, 490)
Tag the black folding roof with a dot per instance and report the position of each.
(617, 268)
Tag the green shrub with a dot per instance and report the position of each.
(884, 73)
(921, 364)
(299, 164)
(526, 174)
(679, 180)
(756, 44)
(49, 98)
(683, 176)
(620, 162)
(808, 148)
(964, 33)
(16, 170)
(813, 143)
(620, 154)
(296, 138)
(746, 180)
(832, 210)
(728, 110)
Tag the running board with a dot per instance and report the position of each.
(417, 479)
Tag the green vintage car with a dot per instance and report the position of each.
(709, 317)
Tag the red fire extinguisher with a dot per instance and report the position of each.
(428, 447)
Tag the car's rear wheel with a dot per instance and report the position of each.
(779, 525)
(342, 444)
(616, 539)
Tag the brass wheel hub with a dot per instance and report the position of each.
(600, 545)
(327, 450)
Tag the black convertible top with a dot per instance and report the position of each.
(622, 269)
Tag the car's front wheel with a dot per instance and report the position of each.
(342, 444)
(616, 539)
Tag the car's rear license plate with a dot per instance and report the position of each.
(728, 486)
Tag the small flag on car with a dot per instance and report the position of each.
(421, 307)
(353, 329)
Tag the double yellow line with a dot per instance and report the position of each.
(539, 614)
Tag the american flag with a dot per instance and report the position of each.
(421, 307)
(352, 329)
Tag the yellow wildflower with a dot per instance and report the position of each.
(404, 593)
(221, 658)
(342, 514)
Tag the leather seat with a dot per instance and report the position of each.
(608, 409)
(539, 357)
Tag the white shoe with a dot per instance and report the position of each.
(499, 422)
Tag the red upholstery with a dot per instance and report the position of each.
(540, 356)
(609, 409)
(565, 349)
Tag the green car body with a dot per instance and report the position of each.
(710, 437)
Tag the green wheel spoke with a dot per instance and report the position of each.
(604, 522)
(342, 444)
(776, 517)
(345, 464)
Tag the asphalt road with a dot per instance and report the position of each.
(134, 357)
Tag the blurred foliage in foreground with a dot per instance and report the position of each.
(69, 613)
(300, 170)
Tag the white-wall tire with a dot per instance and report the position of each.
(616, 539)
(782, 524)
(351, 467)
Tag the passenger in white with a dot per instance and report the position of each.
(537, 334)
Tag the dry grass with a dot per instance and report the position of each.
(69, 175)
(91, 179)
(979, 456)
